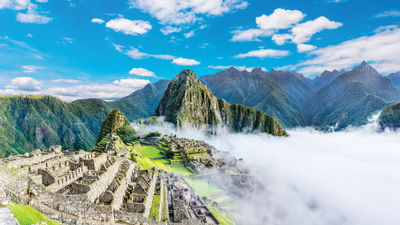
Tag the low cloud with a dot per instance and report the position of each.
(25, 84)
(97, 20)
(315, 178)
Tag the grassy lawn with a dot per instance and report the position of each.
(204, 187)
(27, 215)
(164, 213)
(222, 219)
(149, 152)
(155, 207)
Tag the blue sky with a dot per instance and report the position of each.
(107, 49)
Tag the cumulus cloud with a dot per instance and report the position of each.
(315, 178)
(30, 15)
(189, 34)
(97, 20)
(25, 84)
(129, 27)
(279, 19)
(185, 62)
(304, 31)
(305, 47)
(33, 17)
(380, 49)
(241, 68)
(250, 34)
(186, 11)
(280, 39)
(135, 53)
(170, 29)
(263, 53)
(142, 72)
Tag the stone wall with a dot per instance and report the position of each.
(21, 161)
(67, 179)
(150, 194)
(120, 192)
(99, 186)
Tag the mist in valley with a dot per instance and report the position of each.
(311, 177)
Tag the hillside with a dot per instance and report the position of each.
(188, 103)
(390, 117)
(30, 122)
(260, 91)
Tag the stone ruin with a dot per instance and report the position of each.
(96, 188)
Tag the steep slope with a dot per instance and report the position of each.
(188, 103)
(29, 122)
(350, 99)
(395, 78)
(115, 122)
(390, 117)
(255, 89)
(325, 78)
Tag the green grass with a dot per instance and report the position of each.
(149, 152)
(27, 215)
(204, 187)
(222, 219)
(155, 207)
(164, 213)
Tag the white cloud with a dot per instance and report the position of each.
(29, 35)
(67, 81)
(279, 19)
(280, 39)
(241, 68)
(189, 34)
(250, 34)
(135, 53)
(262, 53)
(33, 17)
(97, 20)
(108, 91)
(68, 40)
(185, 62)
(186, 11)
(304, 31)
(129, 27)
(25, 84)
(170, 29)
(31, 68)
(305, 47)
(42, 1)
(389, 13)
(14, 4)
(142, 72)
(380, 49)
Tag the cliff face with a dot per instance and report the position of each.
(188, 103)
(390, 117)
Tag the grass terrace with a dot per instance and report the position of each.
(27, 215)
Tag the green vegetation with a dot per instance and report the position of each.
(149, 152)
(390, 117)
(155, 207)
(164, 213)
(29, 122)
(204, 187)
(188, 102)
(222, 219)
(118, 123)
(27, 215)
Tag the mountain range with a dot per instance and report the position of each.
(333, 100)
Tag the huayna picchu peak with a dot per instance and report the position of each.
(189, 103)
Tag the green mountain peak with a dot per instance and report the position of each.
(115, 122)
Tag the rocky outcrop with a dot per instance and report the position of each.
(390, 117)
(188, 103)
(116, 122)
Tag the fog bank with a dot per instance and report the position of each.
(349, 177)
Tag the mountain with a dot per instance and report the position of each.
(395, 78)
(390, 117)
(350, 99)
(188, 103)
(325, 78)
(260, 91)
(115, 122)
(30, 122)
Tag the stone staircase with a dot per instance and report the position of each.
(6, 217)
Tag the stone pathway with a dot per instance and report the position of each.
(6, 217)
